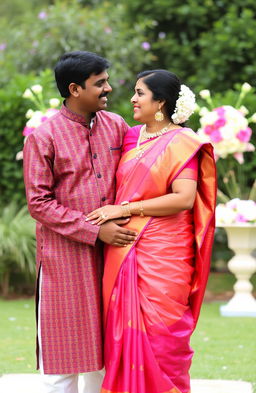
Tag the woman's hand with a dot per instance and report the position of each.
(105, 213)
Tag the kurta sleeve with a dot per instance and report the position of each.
(38, 159)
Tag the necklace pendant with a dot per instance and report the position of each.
(139, 154)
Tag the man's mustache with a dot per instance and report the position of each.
(104, 94)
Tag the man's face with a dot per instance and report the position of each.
(94, 97)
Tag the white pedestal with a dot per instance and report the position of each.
(242, 240)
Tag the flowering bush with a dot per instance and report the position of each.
(36, 118)
(42, 112)
(227, 128)
(236, 211)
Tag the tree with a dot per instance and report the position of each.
(208, 43)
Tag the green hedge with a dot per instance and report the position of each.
(36, 43)
(12, 114)
(208, 43)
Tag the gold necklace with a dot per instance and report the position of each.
(148, 135)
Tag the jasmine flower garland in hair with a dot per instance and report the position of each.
(185, 105)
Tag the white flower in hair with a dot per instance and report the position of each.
(185, 105)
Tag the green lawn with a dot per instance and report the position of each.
(225, 348)
(222, 282)
(17, 336)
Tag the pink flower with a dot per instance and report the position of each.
(220, 111)
(108, 30)
(220, 122)
(236, 211)
(27, 130)
(250, 147)
(239, 157)
(2, 46)
(42, 15)
(51, 111)
(244, 135)
(209, 129)
(37, 119)
(216, 136)
(232, 204)
(146, 45)
(240, 218)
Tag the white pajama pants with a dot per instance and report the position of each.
(68, 383)
(72, 383)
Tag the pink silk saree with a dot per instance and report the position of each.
(153, 289)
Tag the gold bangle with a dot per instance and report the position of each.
(141, 209)
(125, 206)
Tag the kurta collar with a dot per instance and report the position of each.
(75, 116)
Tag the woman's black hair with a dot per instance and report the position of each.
(165, 86)
(76, 67)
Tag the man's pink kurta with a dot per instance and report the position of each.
(69, 170)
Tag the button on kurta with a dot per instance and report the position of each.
(103, 199)
(98, 175)
(95, 155)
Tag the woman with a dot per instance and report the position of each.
(153, 288)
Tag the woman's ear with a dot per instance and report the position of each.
(161, 104)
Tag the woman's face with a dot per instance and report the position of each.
(144, 105)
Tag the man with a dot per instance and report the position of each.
(69, 170)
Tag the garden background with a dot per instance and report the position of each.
(210, 44)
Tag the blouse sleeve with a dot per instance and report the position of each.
(190, 171)
(131, 138)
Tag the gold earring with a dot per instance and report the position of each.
(159, 115)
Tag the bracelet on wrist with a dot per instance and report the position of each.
(141, 208)
(125, 206)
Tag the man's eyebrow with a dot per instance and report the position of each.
(102, 80)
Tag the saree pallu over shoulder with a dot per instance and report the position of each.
(153, 289)
(150, 177)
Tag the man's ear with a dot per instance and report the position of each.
(74, 89)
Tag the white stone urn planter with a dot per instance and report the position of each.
(242, 240)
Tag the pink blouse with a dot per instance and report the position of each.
(189, 171)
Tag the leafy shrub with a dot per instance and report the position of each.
(12, 113)
(39, 41)
(13, 10)
(17, 244)
(209, 44)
